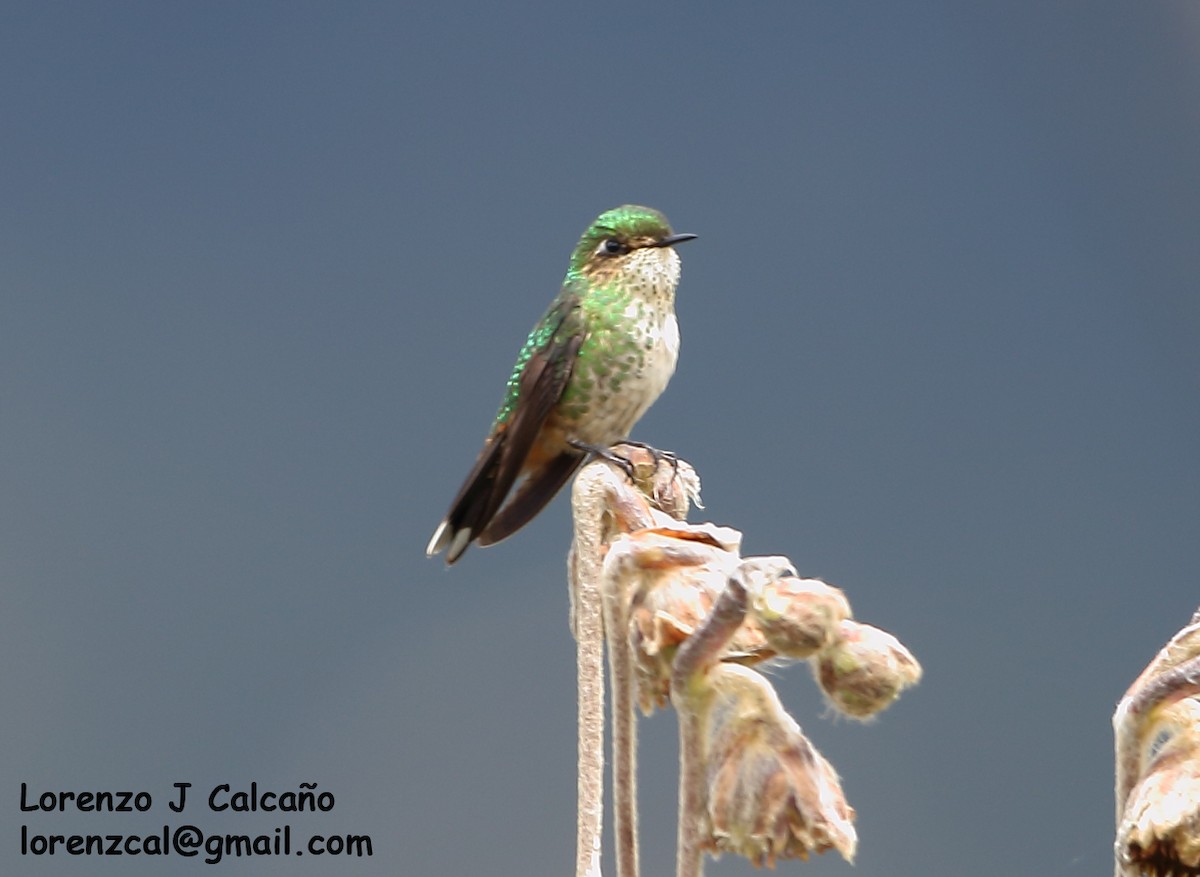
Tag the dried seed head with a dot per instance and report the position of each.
(771, 795)
(865, 670)
(1159, 833)
(662, 617)
(798, 617)
(671, 599)
(669, 483)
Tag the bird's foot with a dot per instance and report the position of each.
(609, 455)
(657, 455)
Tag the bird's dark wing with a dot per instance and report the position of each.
(549, 357)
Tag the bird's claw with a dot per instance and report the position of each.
(608, 454)
(657, 455)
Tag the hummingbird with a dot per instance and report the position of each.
(596, 360)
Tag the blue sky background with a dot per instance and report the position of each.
(264, 269)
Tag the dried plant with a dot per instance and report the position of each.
(684, 619)
(1157, 731)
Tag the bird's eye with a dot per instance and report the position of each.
(613, 247)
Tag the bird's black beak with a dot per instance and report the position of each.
(672, 239)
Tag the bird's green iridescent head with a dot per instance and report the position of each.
(617, 233)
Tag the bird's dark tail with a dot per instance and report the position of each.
(506, 451)
(477, 501)
(476, 513)
(531, 497)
